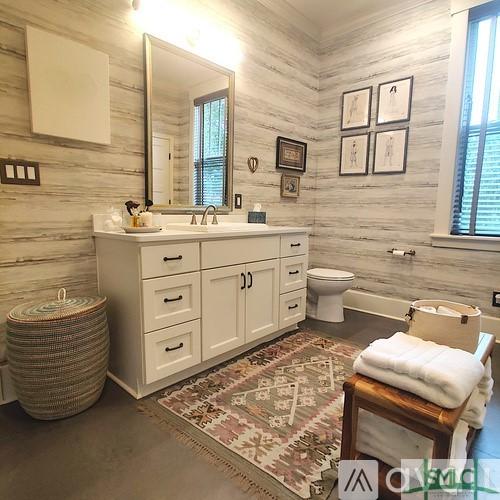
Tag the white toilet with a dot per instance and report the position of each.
(324, 293)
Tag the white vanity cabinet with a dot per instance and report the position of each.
(240, 304)
(179, 303)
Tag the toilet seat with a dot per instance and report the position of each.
(320, 273)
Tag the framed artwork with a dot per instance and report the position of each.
(394, 101)
(290, 186)
(354, 151)
(291, 154)
(356, 109)
(389, 155)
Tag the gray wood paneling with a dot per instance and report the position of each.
(358, 219)
(46, 231)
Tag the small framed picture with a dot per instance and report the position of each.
(356, 109)
(394, 101)
(291, 154)
(389, 155)
(290, 186)
(354, 151)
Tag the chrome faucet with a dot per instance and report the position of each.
(205, 215)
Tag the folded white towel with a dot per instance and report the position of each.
(422, 367)
(485, 385)
(429, 309)
(447, 311)
(475, 411)
(390, 442)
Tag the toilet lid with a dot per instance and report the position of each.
(329, 274)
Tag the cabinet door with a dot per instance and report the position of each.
(262, 300)
(223, 310)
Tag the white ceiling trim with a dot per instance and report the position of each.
(461, 5)
(283, 9)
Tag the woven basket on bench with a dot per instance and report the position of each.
(58, 354)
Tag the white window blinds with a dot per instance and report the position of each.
(476, 204)
(210, 149)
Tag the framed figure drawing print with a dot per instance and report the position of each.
(394, 101)
(356, 109)
(291, 154)
(354, 154)
(389, 155)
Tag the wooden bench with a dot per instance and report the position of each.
(405, 409)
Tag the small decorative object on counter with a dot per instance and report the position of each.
(146, 219)
(114, 222)
(256, 216)
(58, 354)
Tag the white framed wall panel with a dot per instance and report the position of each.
(69, 88)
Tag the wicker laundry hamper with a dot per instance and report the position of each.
(58, 354)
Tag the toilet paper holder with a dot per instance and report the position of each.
(396, 251)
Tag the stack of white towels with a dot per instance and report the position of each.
(436, 373)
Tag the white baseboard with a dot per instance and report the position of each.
(397, 308)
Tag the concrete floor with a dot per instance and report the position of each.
(113, 452)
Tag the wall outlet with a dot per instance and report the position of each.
(19, 172)
(496, 299)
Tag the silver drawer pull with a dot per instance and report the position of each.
(166, 259)
(294, 272)
(168, 349)
(293, 307)
(172, 300)
(295, 244)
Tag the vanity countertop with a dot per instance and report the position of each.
(178, 235)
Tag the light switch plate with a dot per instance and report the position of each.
(19, 172)
(238, 200)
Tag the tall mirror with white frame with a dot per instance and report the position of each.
(189, 130)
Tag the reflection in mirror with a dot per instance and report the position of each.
(189, 106)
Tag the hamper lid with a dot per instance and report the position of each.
(60, 308)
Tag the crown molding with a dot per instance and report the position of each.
(283, 9)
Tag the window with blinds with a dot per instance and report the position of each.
(476, 204)
(210, 149)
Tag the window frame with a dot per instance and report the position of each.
(200, 102)
(442, 236)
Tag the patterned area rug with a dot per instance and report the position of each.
(271, 418)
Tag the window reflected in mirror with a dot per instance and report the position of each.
(189, 129)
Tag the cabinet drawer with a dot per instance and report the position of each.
(164, 260)
(170, 300)
(292, 307)
(172, 350)
(238, 251)
(293, 273)
(294, 244)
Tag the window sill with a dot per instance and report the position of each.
(485, 243)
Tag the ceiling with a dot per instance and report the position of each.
(323, 16)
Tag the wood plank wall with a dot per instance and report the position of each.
(46, 231)
(359, 218)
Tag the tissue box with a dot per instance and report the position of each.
(257, 217)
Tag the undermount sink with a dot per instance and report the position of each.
(216, 228)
